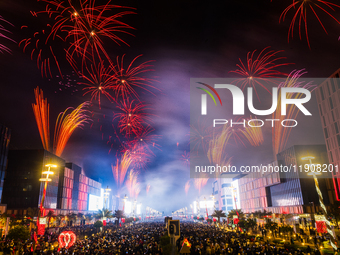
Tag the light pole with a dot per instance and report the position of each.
(46, 180)
(106, 196)
(322, 205)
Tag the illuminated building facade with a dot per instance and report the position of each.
(22, 188)
(287, 192)
(254, 190)
(5, 137)
(75, 189)
(328, 98)
(68, 191)
(222, 189)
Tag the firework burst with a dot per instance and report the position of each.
(130, 78)
(41, 111)
(66, 125)
(91, 26)
(97, 82)
(200, 135)
(41, 50)
(132, 184)
(132, 117)
(148, 189)
(199, 183)
(186, 158)
(301, 7)
(120, 169)
(186, 187)
(259, 67)
(281, 134)
(3, 32)
(144, 140)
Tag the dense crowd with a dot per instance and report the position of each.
(150, 238)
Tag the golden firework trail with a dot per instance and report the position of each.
(66, 124)
(41, 111)
(280, 134)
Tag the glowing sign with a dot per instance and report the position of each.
(95, 203)
(127, 207)
(66, 239)
(139, 209)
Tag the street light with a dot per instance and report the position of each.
(45, 179)
(322, 205)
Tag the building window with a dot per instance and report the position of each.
(326, 132)
(229, 208)
(320, 108)
(338, 137)
(331, 103)
(223, 201)
(333, 85)
(336, 127)
(226, 185)
(322, 95)
(229, 201)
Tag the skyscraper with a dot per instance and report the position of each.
(328, 98)
(5, 137)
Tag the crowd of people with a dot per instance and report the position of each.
(151, 238)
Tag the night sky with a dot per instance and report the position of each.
(186, 39)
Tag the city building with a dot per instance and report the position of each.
(5, 137)
(22, 188)
(69, 190)
(75, 189)
(254, 188)
(224, 193)
(287, 192)
(328, 98)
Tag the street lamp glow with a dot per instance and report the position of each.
(51, 165)
(45, 179)
(48, 172)
(308, 158)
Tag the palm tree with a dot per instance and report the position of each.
(234, 212)
(59, 218)
(88, 217)
(80, 216)
(71, 217)
(104, 213)
(219, 214)
(32, 212)
(118, 214)
(50, 215)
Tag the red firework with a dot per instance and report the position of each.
(144, 140)
(140, 156)
(91, 26)
(98, 81)
(259, 67)
(300, 7)
(132, 117)
(80, 25)
(128, 79)
(3, 32)
(200, 135)
(41, 50)
(186, 158)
